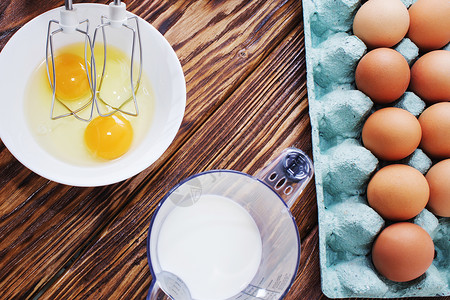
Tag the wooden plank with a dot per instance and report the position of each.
(51, 221)
(267, 112)
(14, 14)
(307, 282)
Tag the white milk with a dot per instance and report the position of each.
(214, 246)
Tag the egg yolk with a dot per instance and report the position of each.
(109, 137)
(71, 77)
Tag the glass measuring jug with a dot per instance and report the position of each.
(225, 234)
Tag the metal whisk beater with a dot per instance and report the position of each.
(69, 24)
(118, 19)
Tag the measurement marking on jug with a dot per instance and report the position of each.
(187, 194)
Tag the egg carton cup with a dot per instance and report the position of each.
(347, 225)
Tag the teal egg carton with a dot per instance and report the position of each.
(343, 167)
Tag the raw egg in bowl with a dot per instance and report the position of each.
(105, 150)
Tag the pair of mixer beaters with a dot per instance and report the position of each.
(70, 24)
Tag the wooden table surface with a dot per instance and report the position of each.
(244, 65)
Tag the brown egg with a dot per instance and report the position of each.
(430, 76)
(439, 180)
(381, 23)
(382, 74)
(403, 251)
(435, 124)
(391, 133)
(429, 25)
(398, 192)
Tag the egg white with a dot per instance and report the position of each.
(64, 138)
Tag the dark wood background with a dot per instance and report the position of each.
(244, 64)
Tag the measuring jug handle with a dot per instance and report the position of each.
(288, 174)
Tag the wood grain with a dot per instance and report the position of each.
(58, 222)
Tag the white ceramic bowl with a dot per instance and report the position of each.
(26, 50)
